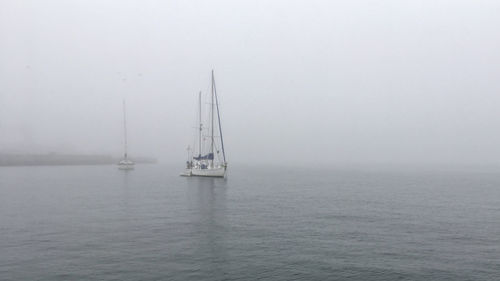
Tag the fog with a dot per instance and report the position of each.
(299, 81)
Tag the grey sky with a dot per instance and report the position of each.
(299, 81)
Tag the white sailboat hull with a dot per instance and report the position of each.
(126, 166)
(219, 172)
(186, 173)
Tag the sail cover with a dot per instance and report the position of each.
(209, 156)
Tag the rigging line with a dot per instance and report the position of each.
(212, 116)
(218, 154)
(201, 125)
(218, 117)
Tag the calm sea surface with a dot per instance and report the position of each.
(99, 223)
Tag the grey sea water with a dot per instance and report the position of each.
(99, 223)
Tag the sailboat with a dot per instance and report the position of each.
(210, 159)
(125, 163)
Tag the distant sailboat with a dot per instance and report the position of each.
(125, 163)
(209, 161)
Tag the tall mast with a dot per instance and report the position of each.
(124, 130)
(212, 119)
(201, 126)
(218, 118)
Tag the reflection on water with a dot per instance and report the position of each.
(208, 195)
(126, 194)
(207, 201)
